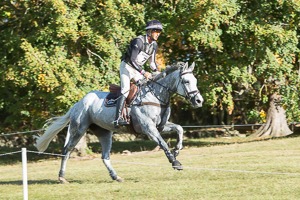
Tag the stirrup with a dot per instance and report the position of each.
(120, 122)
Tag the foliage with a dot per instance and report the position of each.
(55, 51)
(245, 50)
(254, 116)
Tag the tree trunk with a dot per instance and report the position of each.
(276, 124)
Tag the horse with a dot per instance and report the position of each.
(149, 113)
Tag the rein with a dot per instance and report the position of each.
(164, 105)
(188, 95)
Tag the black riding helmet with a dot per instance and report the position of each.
(154, 24)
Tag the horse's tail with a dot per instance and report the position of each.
(54, 126)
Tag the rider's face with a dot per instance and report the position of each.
(155, 33)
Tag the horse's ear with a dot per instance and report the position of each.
(185, 66)
(191, 68)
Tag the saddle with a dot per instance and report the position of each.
(112, 98)
(115, 92)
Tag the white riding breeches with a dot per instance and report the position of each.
(126, 74)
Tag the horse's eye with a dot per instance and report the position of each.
(186, 81)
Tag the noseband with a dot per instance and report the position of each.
(188, 94)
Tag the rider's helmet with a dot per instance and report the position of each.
(154, 24)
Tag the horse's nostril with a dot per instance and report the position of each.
(198, 101)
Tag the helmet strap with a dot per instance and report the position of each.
(149, 38)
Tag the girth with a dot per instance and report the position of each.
(153, 104)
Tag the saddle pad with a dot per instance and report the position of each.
(115, 92)
(111, 99)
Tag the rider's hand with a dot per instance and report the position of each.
(148, 75)
(155, 73)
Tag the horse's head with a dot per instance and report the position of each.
(187, 85)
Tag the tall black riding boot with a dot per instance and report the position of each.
(119, 120)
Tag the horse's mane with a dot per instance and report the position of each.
(169, 69)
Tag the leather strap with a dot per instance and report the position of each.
(153, 104)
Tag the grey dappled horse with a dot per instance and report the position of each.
(149, 113)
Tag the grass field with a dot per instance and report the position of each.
(268, 169)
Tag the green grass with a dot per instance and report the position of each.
(220, 168)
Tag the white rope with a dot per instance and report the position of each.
(222, 126)
(36, 152)
(216, 169)
(5, 154)
(51, 154)
(195, 126)
(23, 132)
(231, 125)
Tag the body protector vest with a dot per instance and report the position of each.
(139, 51)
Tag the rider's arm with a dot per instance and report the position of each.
(136, 46)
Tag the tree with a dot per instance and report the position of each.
(55, 51)
(276, 125)
(247, 52)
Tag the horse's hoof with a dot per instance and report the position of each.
(62, 180)
(177, 165)
(119, 179)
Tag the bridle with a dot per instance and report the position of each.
(188, 94)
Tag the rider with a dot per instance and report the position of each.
(140, 49)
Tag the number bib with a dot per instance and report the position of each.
(141, 58)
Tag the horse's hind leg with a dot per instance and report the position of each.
(75, 133)
(61, 176)
(105, 138)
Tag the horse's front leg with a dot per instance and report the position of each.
(171, 127)
(153, 133)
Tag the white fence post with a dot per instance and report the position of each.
(24, 169)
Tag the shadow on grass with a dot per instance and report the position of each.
(42, 182)
(51, 182)
(119, 147)
(149, 145)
